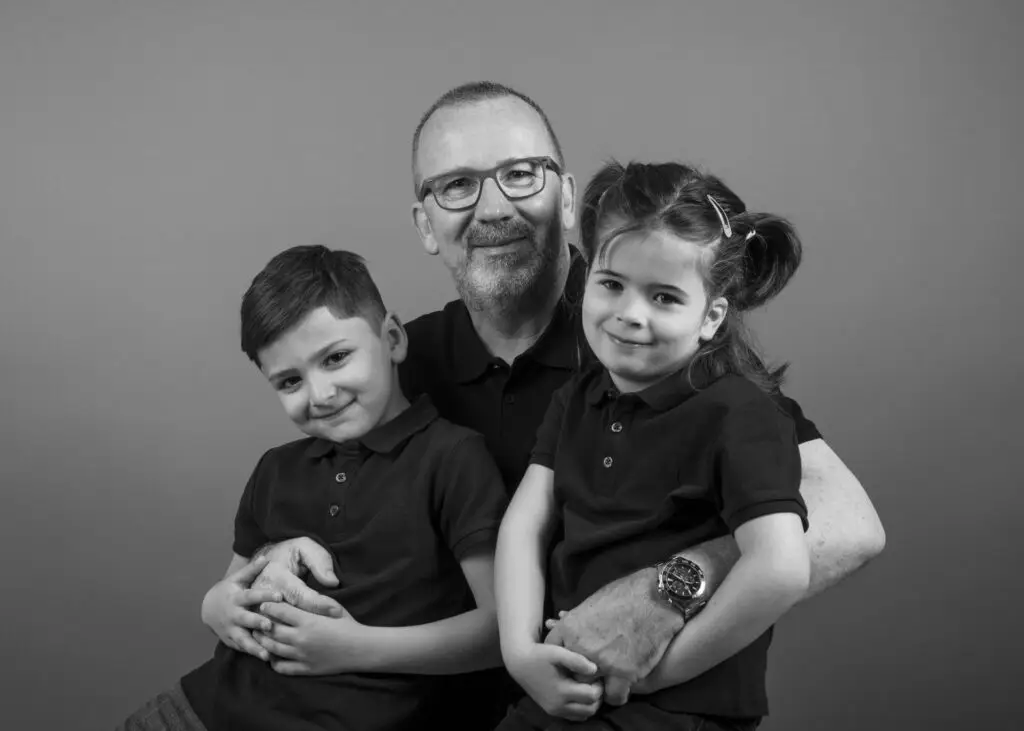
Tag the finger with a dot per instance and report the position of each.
(281, 650)
(562, 613)
(290, 667)
(249, 572)
(319, 562)
(304, 598)
(251, 620)
(616, 690)
(555, 637)
(282, 613)
(580, 711)
(572, 662)
(585, 693)
(549, 624)
(244, 642)
(248, 597)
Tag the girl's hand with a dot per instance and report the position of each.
(562, 683)
(304, 643)
(225, 609)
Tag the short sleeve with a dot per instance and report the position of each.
(546, 444)
(806, 431)
(470, 497)
(759, 464)
(249, 536)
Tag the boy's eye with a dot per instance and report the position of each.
(663, 298)
(288, 384)
(336, 359)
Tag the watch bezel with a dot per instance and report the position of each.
(677, 589)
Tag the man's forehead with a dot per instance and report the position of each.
(480, 135)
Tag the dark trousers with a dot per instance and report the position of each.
(528, 716)
(168, 711)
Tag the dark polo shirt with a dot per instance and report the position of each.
(506, 403)
(397, 509)
(639, 477)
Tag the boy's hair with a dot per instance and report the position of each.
(478, 91)
(298, 281)
(746, 257)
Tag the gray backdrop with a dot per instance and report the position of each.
(154, 155)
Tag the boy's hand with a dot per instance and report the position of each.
(288, 562)
(560, 681)
(304, 643)
(224, 609)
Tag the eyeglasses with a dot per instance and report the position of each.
(517, 179)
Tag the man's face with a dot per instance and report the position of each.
(500, 251)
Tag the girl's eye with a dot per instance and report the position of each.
(336, 359)
(610, 284)
(662, 298)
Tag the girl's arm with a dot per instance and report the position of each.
(521, 560)
(770, 576)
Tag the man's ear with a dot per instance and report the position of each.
(714, 318)
(393, 334)
(568, 201)
(422, 224)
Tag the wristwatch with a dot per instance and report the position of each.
(681, 583)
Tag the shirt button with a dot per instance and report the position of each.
(607, 462)
(333, 510)
(617, 427)
(340, 477)
(510, 398)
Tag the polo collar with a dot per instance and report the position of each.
(386, 437)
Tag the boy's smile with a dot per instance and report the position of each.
(336, 376)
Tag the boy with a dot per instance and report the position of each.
(407, 503)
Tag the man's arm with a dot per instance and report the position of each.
(289, 561)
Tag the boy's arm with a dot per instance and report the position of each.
(771, 575)
(459, 644)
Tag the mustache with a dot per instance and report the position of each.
(500, 232)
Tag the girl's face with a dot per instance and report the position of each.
(645, 311)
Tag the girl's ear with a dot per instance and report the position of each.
(714, 318)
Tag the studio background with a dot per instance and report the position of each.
(154, 155)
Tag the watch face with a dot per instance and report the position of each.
(683, 579)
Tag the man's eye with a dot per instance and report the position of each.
(457, 186)
(518, 176)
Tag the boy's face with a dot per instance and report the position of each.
(336, 377)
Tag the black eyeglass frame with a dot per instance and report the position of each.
(546, 161)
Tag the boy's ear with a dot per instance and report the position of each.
(422, 225)
(393, 335)
(714, 318)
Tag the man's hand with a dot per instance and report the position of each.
(623, 627)
(225, 609)
(562, 683)
(304, 643)
(288, 562)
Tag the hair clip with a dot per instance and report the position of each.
(726, 228)
(751, 234)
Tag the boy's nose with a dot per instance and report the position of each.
(321, 391)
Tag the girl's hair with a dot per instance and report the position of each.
(746, 257)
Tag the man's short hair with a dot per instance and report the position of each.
(476, 91)
(300, 280)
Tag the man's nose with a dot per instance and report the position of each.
(493, 205)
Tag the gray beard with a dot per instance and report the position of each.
(509, 286)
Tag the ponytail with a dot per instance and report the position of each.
(772, 253)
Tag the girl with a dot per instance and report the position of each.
(671, 440)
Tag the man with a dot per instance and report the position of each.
(494, 202)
